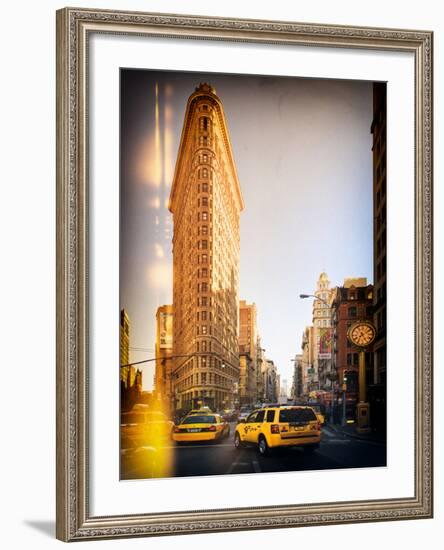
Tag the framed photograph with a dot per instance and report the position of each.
(244, 274)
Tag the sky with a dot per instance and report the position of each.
(302, 149)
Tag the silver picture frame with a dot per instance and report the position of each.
(74, 521)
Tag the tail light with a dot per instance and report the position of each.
(212, 428)
(274, 428)
(316, 426)
(176, 429)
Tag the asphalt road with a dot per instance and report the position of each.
(203, 459)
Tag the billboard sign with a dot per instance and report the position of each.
(325, 341)
(166, 331)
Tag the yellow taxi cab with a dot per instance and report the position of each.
(279, 426)
(201, 427)
(202, 410)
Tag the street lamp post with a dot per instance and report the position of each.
(163, 362)
(361, 334)
(344, 402)
(163, 359)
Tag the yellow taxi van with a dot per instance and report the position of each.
(279, 426)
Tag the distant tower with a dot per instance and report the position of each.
(247, 352)
(206, 202)
(127, 372)
(322, 313)
(124, 337)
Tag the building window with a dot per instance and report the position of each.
(204, 201)
(204, 329)
(204, 230)
(204, 258)
(204, 216)
(352, 311)
(204, 187)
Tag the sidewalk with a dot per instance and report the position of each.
(350, 431)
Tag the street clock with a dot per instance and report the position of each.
(361, 333)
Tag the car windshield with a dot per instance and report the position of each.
(296, 415)
(195, 419)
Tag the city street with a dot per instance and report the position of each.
(337, 450)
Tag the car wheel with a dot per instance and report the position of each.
(238, 443)
(262, 446)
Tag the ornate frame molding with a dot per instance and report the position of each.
(73, 519)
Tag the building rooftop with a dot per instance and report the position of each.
(355, 281)
(205, 87)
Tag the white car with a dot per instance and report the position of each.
(243, 413)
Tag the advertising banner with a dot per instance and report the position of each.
(325, 343)
(166, 331)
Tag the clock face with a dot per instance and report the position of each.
(362, 334)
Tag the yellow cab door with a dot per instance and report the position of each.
(253, 426)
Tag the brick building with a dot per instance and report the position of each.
(352, 302)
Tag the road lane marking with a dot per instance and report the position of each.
(232, 467)
(329, 431)
(237, 463)
(217, 446)
(256, 466)
(369, 442)
(332, 440)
